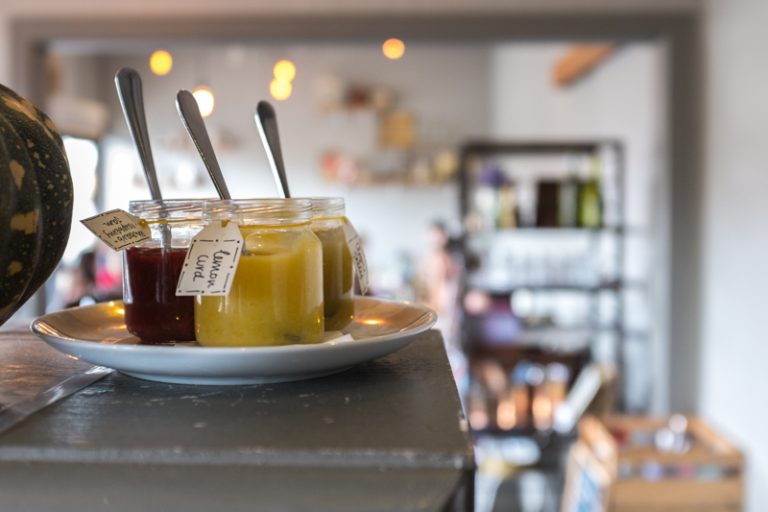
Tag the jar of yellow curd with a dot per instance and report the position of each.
(276, 297)
(328, 224)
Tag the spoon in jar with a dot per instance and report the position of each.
(128, 83)
(266, 120)
(129, 91)
(186, 104)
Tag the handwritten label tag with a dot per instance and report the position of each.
(211, 261)
(118, 228)
(358, 255)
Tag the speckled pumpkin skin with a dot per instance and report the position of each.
(35, 200)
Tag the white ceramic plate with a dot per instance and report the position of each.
(97, 334)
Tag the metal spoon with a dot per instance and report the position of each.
(128, 83)
(266, 120)
(186, 104)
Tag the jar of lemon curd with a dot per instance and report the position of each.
(328, 224)
(276, 296)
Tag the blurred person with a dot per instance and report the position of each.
(81, 289)
(109, 273)
(437, 281)
(92, 279)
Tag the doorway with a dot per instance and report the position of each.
(677, 318)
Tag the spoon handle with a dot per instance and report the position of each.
(266, 120)
(128, 83)
(186, 104)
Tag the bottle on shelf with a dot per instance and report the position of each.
(590, 202)
(509, 414)
(479, 418)
(486, 195)
(547, 199)
(507, 206)
(567, 208)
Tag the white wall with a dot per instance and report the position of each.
(623, 99)
(735, 345)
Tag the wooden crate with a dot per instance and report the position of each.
(603, 474)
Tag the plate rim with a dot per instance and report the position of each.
(428, 323)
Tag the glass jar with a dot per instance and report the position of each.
(276, 296)
(151, 270)
(328, 224)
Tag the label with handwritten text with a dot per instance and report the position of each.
(358, 255)
(118, 228)
(211, 261)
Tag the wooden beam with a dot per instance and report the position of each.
(578, 61)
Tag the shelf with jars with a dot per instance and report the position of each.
(544, 241)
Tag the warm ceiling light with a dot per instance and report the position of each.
(393, 48)
(284, 70)
(161, 62)
(205, 100)
(280, 89)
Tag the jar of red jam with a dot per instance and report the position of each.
(151, 270)
(328, 224)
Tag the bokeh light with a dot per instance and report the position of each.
(161, 62)
(393, 48)
(284, 70)
(205, 99)
(280, 89)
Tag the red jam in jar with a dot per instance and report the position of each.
(151, 271)
(155, 314)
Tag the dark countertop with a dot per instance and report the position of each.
(384, 435)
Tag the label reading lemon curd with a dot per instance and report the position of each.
(211, 261)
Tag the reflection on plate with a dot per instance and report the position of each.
(97, 334)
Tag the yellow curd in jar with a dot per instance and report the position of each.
(337, 275)
(277, 294)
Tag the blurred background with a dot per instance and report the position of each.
(575, 186)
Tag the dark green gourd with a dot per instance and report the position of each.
(35, 200)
